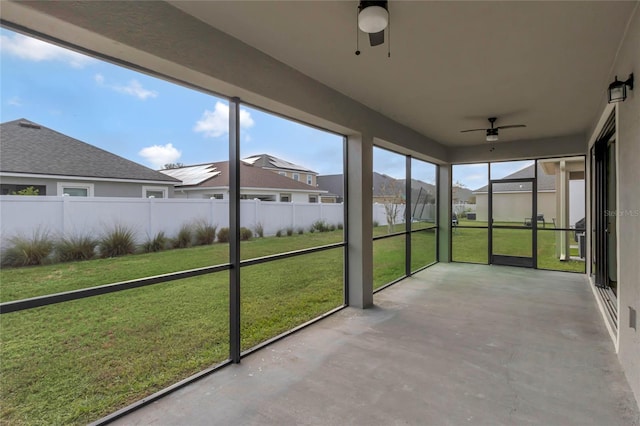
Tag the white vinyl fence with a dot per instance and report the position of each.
(421, 212)
(58, 216)
(64, 216)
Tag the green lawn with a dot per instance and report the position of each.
(389, 256)
(20, 283)
(77, 361)
(74, 362)
(470, 245)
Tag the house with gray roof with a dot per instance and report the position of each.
(32, 155)
(283, 168)
(211, 180)
(513, 199)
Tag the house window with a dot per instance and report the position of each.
(214, 196)
(75, 189)
(313, 198)
(285, 198)
(154, 192)
(13, 189)
(309, 180)
(282, 173)
(260, 197)
(76, 192)
(296, 176)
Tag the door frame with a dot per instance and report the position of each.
(526, 262)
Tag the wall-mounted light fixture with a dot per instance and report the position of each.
(618, 89)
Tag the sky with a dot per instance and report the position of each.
(154, 122)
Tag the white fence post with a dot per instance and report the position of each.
(65, 211)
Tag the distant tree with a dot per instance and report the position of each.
(392, 191)
(455, 189)
(472, 199)
(172, 166)
(30, 190)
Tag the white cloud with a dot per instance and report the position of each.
(159, 155)
(216, 123)
(15, 101)
(134, 88)
(30, 49)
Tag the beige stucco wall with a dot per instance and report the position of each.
(514, 207)
(628, 144)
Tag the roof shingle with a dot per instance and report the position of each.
(27, 147)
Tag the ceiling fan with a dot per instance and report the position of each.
(373, 19)
(492, 132)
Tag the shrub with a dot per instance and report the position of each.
(375, 224)
(321, 226)
(312, 230)
(155, 244)
(259, 230)
(30, 190)
(300, 231)
(28, 251)
(245, 234)
(279, 233)
(205, 233)
(76, 247)
(184, 237)
(223, 235)
(289, 231)
(331, 227)
(340, 226)
(118, 241)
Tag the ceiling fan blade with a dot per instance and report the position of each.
(376, 39)
(511, 126)
(473, 130)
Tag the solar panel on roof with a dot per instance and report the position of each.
(193, 175)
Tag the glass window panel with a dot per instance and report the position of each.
(561, 192)
(276, 166)
(513, 169)
(561, 250)
(470, 245)
(171, 134)
(512, 242)
(75, 192)
(469, 194)
(512, 203)
(75, 362)
(280, 295)
(388, 260)
(11, 189)
(423, 248)
(155, 194)
(423, 194)
(389, 192)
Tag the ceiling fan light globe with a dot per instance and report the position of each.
(492, 138)
(373, 19)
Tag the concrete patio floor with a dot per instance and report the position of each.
(456, 344)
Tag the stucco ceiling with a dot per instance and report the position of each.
(452, 64)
